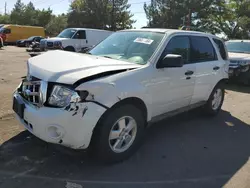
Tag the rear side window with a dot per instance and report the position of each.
(178, 45)
(202, 50)
(221, 48)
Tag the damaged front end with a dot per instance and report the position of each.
(239, 71)
(57, 113)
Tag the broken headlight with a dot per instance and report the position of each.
(62, 96)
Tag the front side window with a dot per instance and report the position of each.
(67, 33)
(5, 31)
(178, 45)
(80, 35)
(238, 47)
(202, 49)
(132, 46)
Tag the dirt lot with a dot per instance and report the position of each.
(186, 151)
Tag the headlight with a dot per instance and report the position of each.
(62, 96)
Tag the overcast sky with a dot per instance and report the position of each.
(62, 6)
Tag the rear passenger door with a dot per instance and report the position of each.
(204, 56)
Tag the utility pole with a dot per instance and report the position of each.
(189, 20)
(113, 16)
(5, 8)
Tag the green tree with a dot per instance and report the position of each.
(43, 17)
(56, 25)
(29, 15)
(17, 14)
(228, 17)
(4, 19)
(100, 14)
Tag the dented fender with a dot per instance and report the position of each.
(110, 93)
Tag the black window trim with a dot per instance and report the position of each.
(226, 58)
(175, 36)
(202, 61)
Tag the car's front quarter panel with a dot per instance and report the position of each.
(112, 90)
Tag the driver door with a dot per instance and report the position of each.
(173, 87)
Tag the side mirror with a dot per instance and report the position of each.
(171, 60)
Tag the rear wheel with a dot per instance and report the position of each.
(215, 101)
(118, 135)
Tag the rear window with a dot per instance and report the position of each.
(221, 48)
(202, 49)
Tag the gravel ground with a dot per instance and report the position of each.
(185, 151)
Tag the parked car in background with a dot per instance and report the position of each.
(239, 55)
(29, 41)
(13, 33)
(75, 39)
(107, 98)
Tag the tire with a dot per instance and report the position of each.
(69, 49)
(212, 108)
(103, 146)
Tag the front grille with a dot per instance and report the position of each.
(50, 44)
(31, 91)
(234, 64)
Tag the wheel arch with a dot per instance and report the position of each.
(69, 47)
(135, 101)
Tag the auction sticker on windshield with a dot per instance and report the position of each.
(143, 41)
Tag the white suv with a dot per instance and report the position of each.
(107, 98)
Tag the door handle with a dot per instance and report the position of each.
(216, 68)
(188, 73)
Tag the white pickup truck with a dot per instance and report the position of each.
(75, 39)
(107, 98)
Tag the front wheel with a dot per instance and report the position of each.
(119, 133)
(215, 101)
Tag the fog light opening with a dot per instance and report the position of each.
(54, 132)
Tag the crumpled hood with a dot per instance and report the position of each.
(68, 67)
(239, 56)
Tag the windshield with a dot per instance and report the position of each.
(67, 33)
(238, 47)
(132, 46)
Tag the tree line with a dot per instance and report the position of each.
(99, 14)
(228, 17)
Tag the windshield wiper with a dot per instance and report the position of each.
(107, 57)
